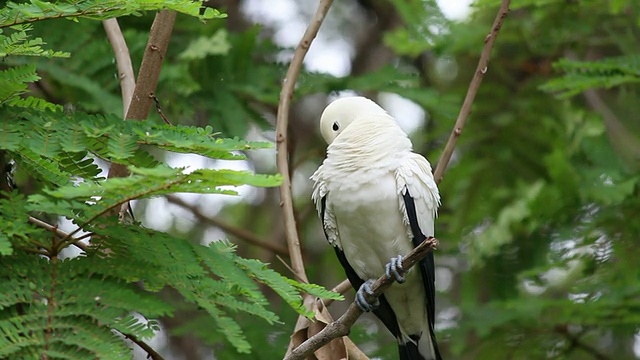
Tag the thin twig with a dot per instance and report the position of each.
(123, 61)
(151, 353)
(62, 234)
(282, 125)
(159, 109)
(465, 110)
(47, 226)
(229, 229)
(342, 326)
(286, 265)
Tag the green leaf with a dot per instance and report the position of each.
(216, 44)
(498, 234)
(583, 75)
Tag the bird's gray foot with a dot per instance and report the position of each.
(361, 299)
(394, 269)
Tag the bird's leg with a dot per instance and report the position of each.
(394, 269)
(361, 299)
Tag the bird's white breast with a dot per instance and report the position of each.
(369, 222)
(371, 231)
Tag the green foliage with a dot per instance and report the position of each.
(537, 224)
(55, 149)
(13, 81)
(19, 43)
(60, 305)
(583, 75)
(35, 10)
(540, 196)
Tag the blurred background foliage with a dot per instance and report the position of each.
(540, 220)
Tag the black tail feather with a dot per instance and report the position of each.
(409, 351)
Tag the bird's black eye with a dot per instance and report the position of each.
(335, 126)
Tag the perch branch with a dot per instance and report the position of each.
(229, 229)
(342, 326)
(282, 125)
(465, 110)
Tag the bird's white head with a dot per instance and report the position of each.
(342, 112)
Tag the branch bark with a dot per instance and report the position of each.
(123, 61)
(465, 110)
(342, 326)
(62, 234)
(282, 161)
(148, 75)
(282, 125)
(137, 105)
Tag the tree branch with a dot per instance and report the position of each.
(342, 326)
(148, 75)
(282, 125)
(123, 61)
(60, 233)
(151, 353)
(137, 106)
(235, 231)
(465, 110)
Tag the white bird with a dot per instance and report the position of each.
(378, 200)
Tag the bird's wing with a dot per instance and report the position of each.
(418, 201)
(414, 178)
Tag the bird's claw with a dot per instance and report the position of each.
(361, 299)
(394, 269)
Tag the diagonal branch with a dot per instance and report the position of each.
(465, 110)
(151, 353)
(282, 125)
(342, 326)
(62, 234)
